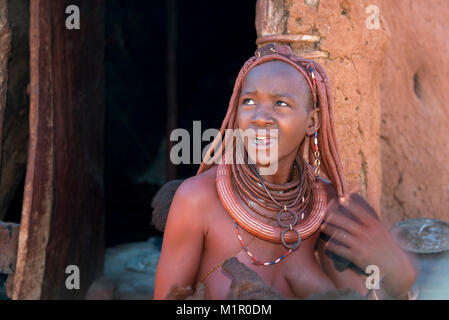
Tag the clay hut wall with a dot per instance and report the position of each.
(386, 63)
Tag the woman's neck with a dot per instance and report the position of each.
(283, 173)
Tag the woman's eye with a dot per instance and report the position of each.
(282, 104)
(248, 102)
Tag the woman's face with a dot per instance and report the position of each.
(276, 96)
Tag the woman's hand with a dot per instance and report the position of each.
(368, 242)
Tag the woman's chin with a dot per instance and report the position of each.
(267, 165)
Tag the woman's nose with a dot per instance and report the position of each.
(262, 118)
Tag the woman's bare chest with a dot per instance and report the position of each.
(222, 242)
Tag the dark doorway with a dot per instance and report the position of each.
(14, 144)
(214, 39)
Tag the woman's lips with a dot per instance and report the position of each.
(262, 142)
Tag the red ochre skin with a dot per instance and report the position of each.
(200, 233)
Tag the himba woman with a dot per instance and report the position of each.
(272, 222)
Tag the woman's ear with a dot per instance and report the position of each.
(313, 124)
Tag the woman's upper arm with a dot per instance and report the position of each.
(183, 241)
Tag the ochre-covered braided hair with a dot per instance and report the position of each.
(331, 164)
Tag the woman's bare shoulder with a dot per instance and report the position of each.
(199, 187)
(195, 194)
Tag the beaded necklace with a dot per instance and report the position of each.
(255, 261)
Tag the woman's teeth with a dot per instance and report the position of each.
(262, 140)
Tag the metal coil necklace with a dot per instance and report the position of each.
(290, 234)
(256, 195)
(285, 208)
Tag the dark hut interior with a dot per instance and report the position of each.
(188, 51)
(210, 42)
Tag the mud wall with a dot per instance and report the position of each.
(414, 132)
(335, 34)
(387, 63)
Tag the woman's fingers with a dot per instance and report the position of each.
(339, 250)
(337, 234)
(343, 222)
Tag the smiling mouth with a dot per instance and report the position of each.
(263, 141)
